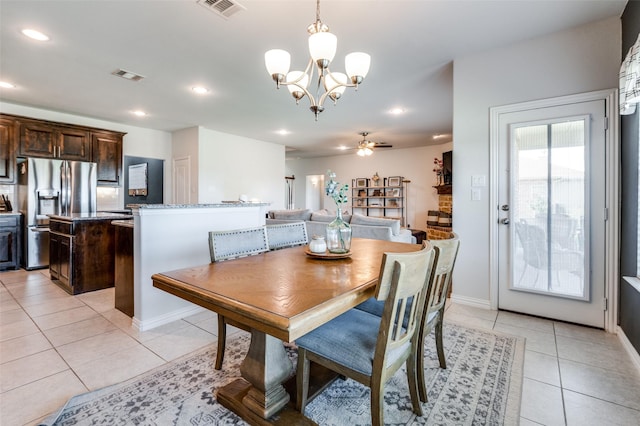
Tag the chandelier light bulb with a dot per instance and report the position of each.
(277, 62)
(295, 80)
(357, 66)
(322, 48)
(335, 84)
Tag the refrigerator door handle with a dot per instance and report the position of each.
(64, 187)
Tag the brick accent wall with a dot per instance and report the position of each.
(445, 203)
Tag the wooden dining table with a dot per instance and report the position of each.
(281, 295)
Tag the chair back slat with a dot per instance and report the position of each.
(406, 281)
(225, 245)
(443, 270)
(284, 235)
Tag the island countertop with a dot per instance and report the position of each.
(90, 216)
(196, 206)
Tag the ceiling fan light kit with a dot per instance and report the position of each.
(322, 49)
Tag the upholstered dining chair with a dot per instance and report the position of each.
(370, 348)
(433, 312)
(225, 245)
(284, 235)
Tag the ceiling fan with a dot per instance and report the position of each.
(366, 147)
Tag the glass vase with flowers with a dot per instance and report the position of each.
(338, 231)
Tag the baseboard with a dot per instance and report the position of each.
(165, 319)
(470, 301)
(633, 353)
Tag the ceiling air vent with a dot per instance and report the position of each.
(224, 8)
(128, 75)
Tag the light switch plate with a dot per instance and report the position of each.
(478, 180)
(476, 195)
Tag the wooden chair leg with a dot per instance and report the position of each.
(222, 338)
(419, 361)
(412, 379)
(439, 344)
(302, 380)
(377, 406)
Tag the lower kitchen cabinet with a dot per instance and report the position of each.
(81, 254)
(9, 241)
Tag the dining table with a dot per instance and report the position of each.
(281, 295)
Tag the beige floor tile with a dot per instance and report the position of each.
(101, 300)
(592, 335)
(182, 342)
(117, 367)
(209, 325)
(52, 306)
(168, 329)
(69, 316)
(201, 316)
(537, 341)
(30, 368)
(28, 403)
(23, 346)
(583, 410)
(13, 316)
(525, 321)
(541, 367)
(622, 389)
(22, 291)
(119, 319)
(45, 296)
(99, 346)
(612, 357)
(8, 303)
(78, 330)
(471, 311)
(17, 329)
(22, 276)
(473, 322)
(541, 403)
(527, 422)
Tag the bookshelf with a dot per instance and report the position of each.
(384, 198)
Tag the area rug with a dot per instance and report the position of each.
(481, 386)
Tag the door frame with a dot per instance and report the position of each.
(612, 188)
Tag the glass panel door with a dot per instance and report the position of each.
(550, 195)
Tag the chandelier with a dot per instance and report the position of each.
(322, 49)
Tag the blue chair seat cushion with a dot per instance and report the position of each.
(375, 307)
(349, 340)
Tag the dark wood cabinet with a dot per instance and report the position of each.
(7, 151)
(81, 254)
(42, 139)
(29, 137)
(9, 241)
(124, 267)
(106, 148)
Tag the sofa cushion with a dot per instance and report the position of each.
(394, 224)
(320, 216)
(298, 214)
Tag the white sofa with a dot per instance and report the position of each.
(375, 228)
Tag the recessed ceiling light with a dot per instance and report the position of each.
(7, 85)
(36, 35)
(397, 111)
(139, 113)
(200, 90)
(343, 148)
(283, 132)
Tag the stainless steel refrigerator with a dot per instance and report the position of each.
(47, 186)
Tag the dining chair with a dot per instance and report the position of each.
(284, 235)
(369, 348)
(232, 244)
(433, 311)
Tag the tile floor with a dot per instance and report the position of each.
(54, 346)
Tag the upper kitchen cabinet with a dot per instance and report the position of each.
(7, 151)
(106, 148)
(47, 140)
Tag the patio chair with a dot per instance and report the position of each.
(225, 245)
(369, 348)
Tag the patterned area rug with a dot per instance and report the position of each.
(481, 386)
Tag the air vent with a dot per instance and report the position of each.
(128, 75)
(224, 8)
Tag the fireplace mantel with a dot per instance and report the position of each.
(444, 189)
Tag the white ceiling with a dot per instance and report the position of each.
(177, 44)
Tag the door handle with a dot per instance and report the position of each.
(505, 221)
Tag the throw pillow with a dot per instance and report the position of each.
(298, 214)
(394, 224)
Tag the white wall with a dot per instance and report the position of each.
(579, 60)
(232, 165)
(138, 141)
(415, 164)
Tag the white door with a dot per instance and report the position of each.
(551, 202)
(182, 180)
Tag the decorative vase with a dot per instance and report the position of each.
(338, 235)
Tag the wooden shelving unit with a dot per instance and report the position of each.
(387, 199)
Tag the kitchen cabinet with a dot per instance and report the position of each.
(82, 251)
(9, 240)
(106, 148)
(30, 137)
(124, 266)
(44, 139)
(7, 151)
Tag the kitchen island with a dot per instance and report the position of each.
(81, 251)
